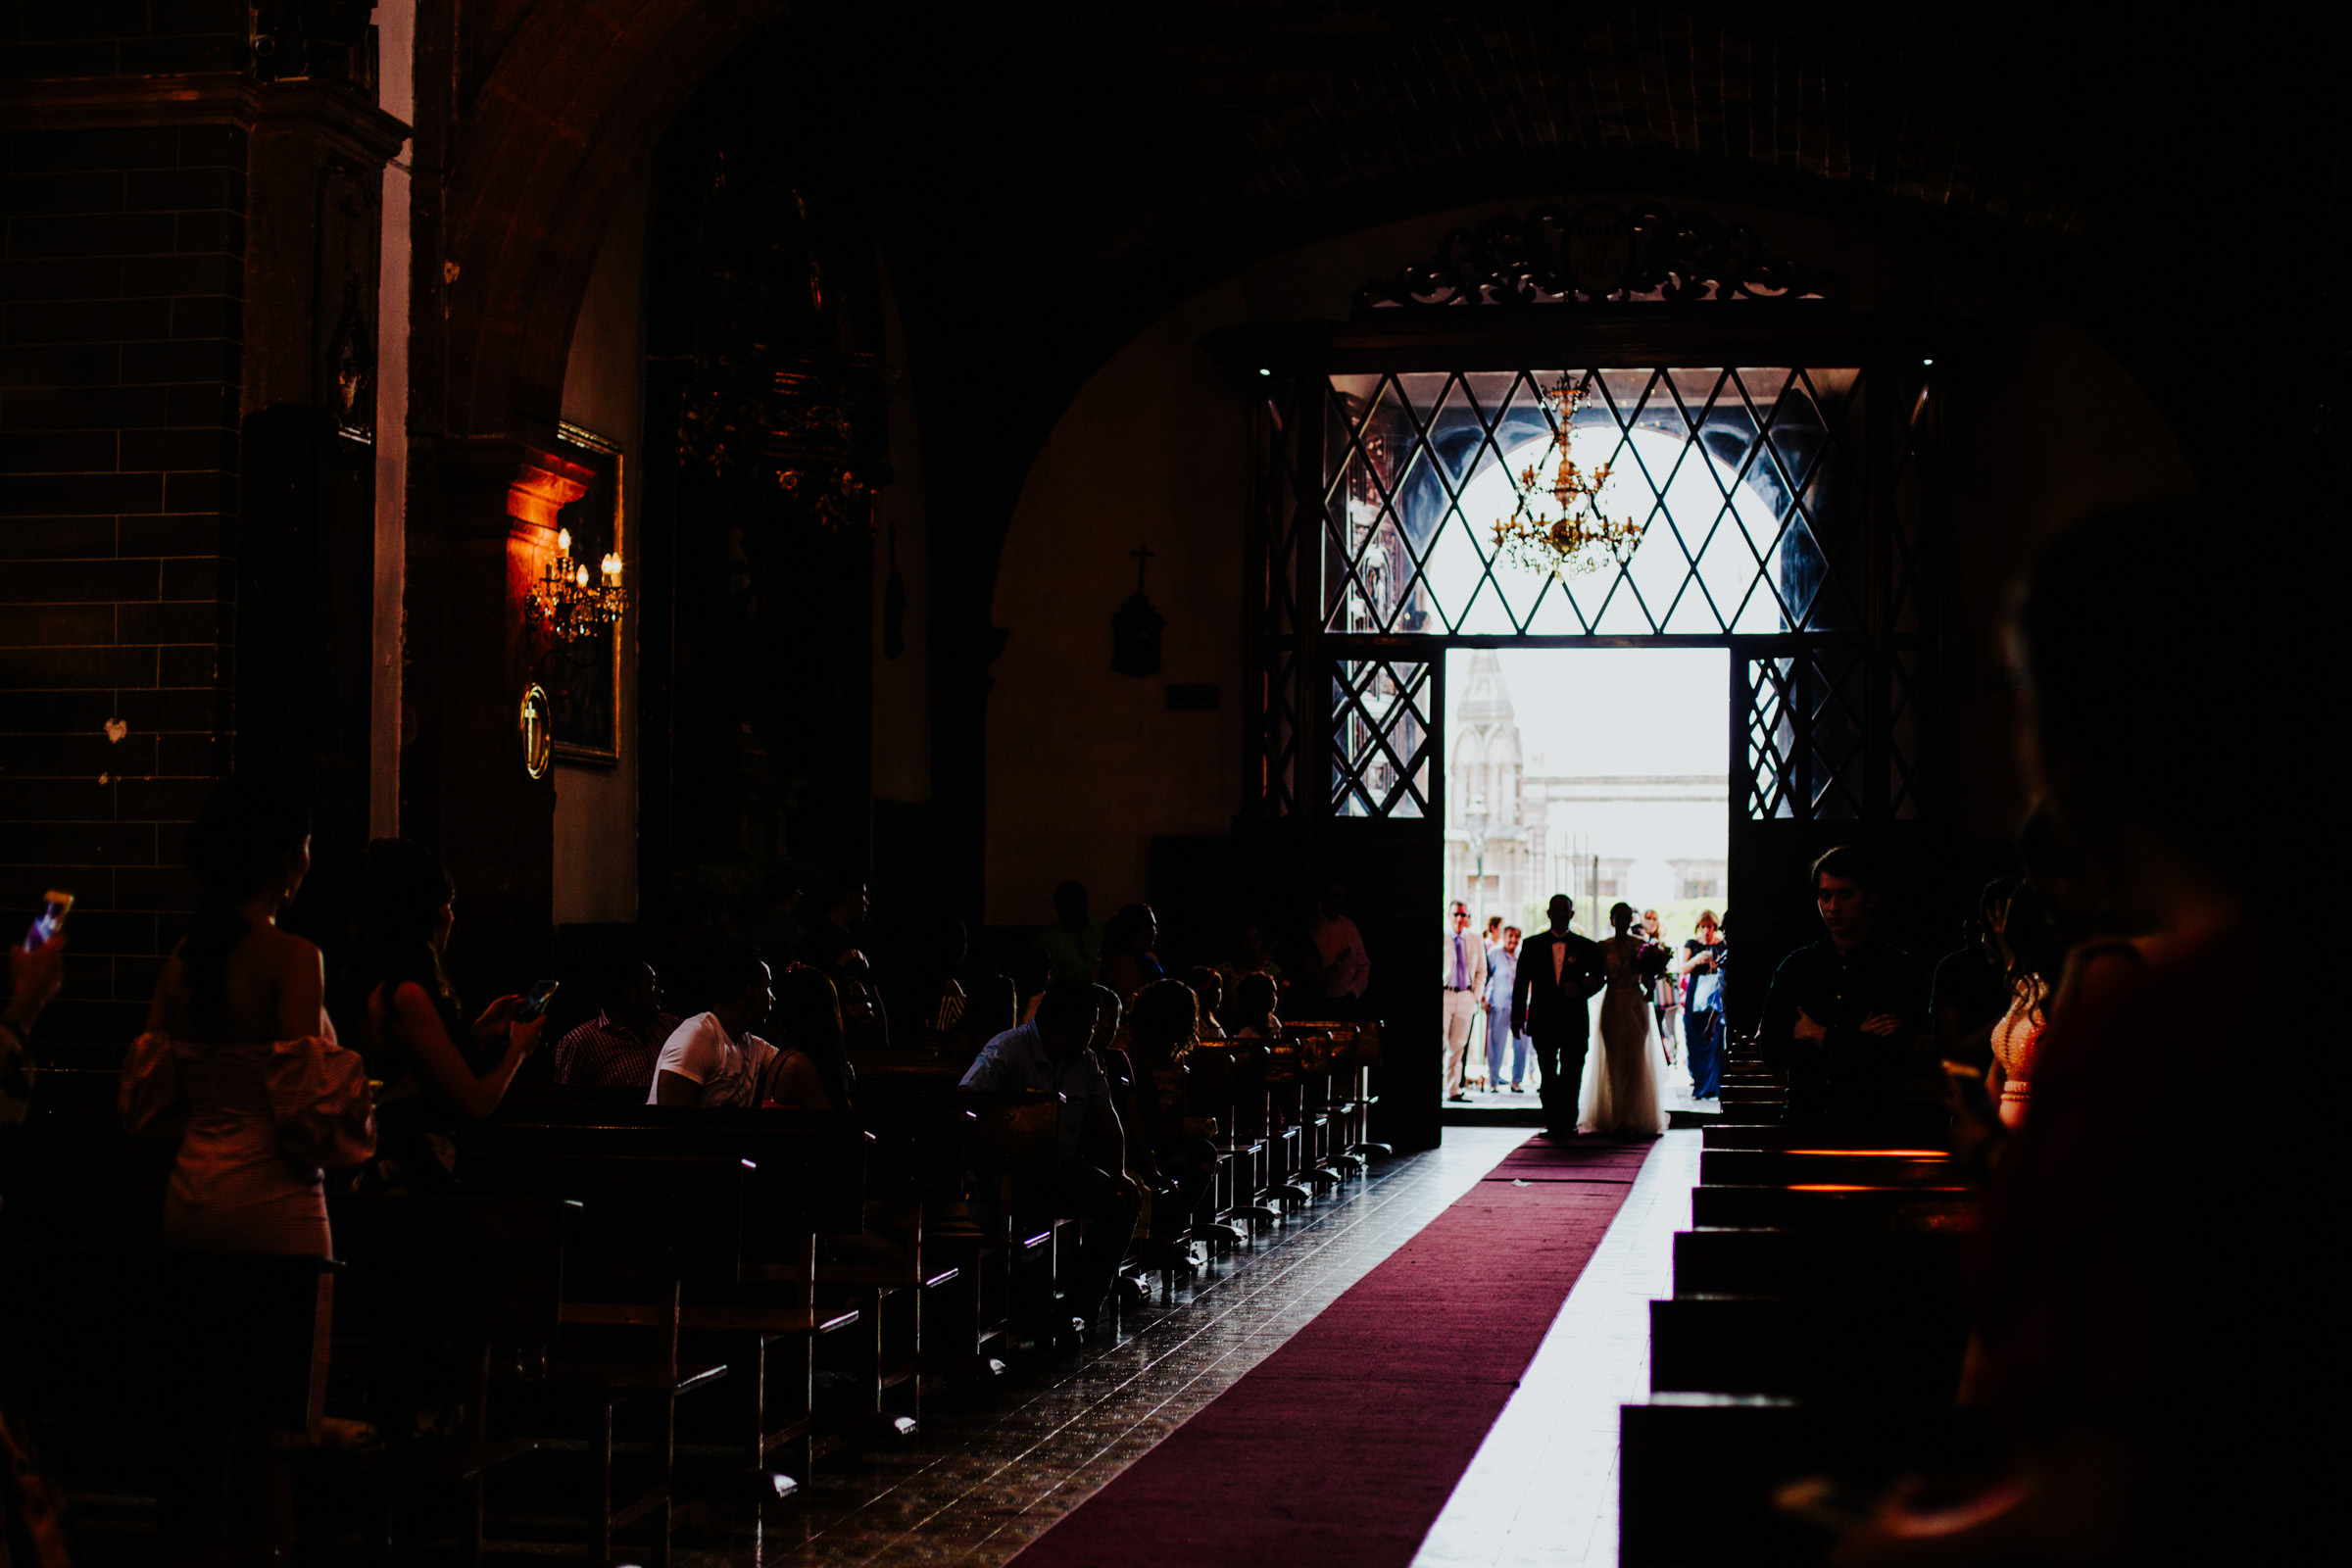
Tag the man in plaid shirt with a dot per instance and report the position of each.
(618, 1048)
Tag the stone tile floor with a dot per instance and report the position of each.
(987, 1475)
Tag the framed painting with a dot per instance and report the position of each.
(584, 698)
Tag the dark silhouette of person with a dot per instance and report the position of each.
(1559, 972)
(1845, 1016)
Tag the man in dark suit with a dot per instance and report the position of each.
(1559, 972)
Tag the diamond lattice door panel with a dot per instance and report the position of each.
(1380, 747)
(1745, 482)
(1816, 721)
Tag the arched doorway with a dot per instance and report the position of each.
(1784, 455)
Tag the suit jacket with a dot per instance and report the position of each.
(1542, 1005)
(1475, 950)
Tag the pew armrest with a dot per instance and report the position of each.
(767, 1319)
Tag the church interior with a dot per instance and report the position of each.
(809, 550)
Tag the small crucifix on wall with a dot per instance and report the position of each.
(1135, 626)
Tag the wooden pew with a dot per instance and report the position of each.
(1817, 1327)
(809, 1181)
(1812, 1166)
(648, 1225)
(1808, 1347)
(1353, 1097)
(433, 1288)
(1843, 1139)
(1891, 1266)
(1285, 1187)
(986, 1159)
(1226, 1087)
(1835, 1207)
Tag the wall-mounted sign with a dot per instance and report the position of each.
(535, 725)
(1135, 626)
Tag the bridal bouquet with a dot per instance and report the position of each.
(1653, 961)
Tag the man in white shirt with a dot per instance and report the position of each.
(713, 1059)
(1050, 1054)
(1465, 979)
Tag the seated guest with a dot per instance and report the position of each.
(615, 1049)
(837, 945)
(1842, 1017)
(1968, 991)
(994, 1007)
(1050, 1054)
(438, 1073)
(2144, 1319)
(1072, 945)
(1128, 963)
(811, 1070)
(936, 998)
(1254, 1002)
(1164, 1031)
(239, 1061)
(1249, 956)
(1209, 987)
(775, 924)
(713, 1059)
(2098, 942)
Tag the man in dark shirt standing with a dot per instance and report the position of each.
(1844, 1016)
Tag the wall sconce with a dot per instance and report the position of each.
(571, 604)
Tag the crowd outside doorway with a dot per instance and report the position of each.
(1486, 1064)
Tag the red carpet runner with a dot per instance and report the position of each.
(1342, 1445)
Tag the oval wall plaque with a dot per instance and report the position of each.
(536, 726)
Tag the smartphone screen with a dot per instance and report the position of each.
(55, 905)
(536, 1003)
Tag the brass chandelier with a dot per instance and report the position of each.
(572, 606)
(1571, 536)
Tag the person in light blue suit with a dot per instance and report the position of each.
(1502, 969)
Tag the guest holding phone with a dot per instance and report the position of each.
(438, 1072)
(36, 969)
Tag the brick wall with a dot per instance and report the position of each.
(121, 299)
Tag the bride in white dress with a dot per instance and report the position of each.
(1621, 1088)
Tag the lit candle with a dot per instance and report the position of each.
(564, 541)
(612, 570)
(583, 577)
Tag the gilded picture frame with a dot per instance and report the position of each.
(585, 701)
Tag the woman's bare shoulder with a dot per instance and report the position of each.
(281, 946)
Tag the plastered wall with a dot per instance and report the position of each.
(604, 391)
